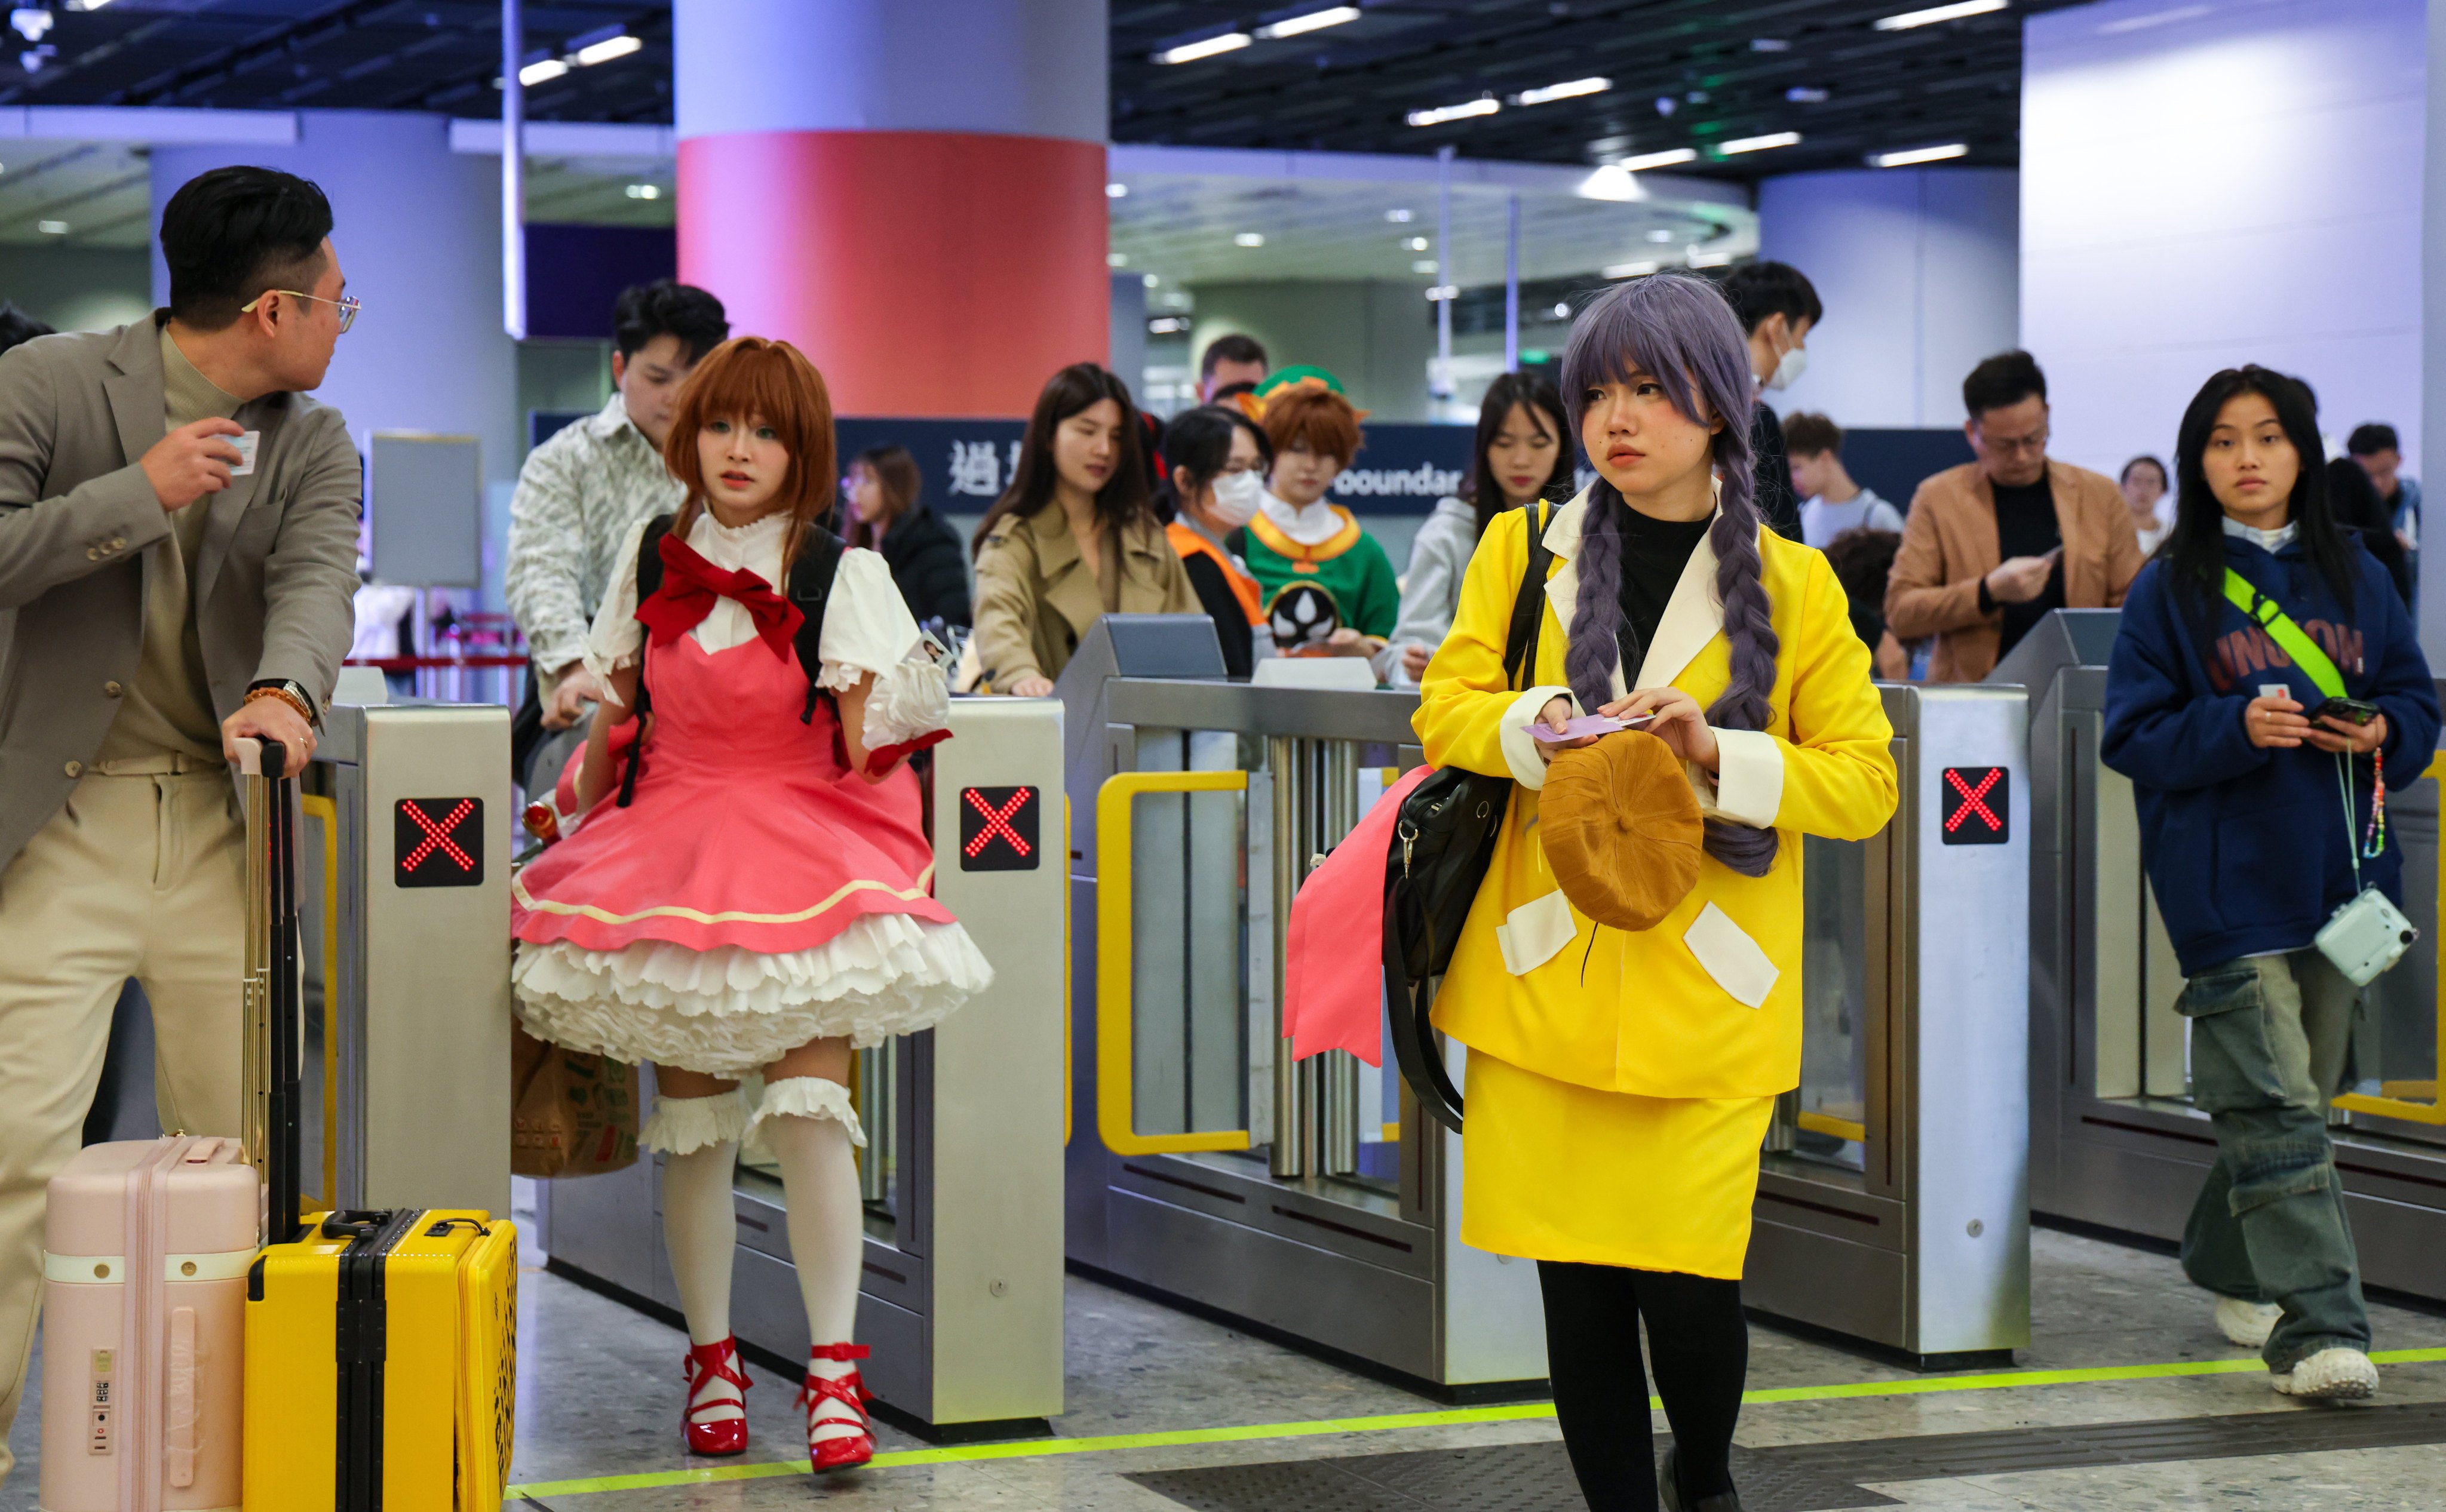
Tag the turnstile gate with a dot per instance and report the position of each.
(405, 855)
(961, 1298)
(2115, 1141)
(1309, 1197)
(1893, 1197)
(1315, 1201)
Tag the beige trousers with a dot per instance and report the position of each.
(142, 875)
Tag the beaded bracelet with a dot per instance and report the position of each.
(285, 697)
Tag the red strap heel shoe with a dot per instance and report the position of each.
(708, 1366)
(849, 1451)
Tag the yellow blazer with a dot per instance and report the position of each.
(1707, 1003)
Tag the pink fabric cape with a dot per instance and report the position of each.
(1333, 967)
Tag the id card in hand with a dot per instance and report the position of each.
(245, 443)
(1586, 725)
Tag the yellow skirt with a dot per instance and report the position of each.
(1551, 1170)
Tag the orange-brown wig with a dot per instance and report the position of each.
(749, 376)
(1317, 416)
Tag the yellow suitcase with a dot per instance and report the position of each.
(381, 1364)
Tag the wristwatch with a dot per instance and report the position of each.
(289, 692)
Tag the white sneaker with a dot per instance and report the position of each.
(2334, 1374)
(2246, 1324)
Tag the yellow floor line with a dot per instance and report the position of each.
(1522, 1412)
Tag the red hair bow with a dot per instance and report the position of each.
(689, 586)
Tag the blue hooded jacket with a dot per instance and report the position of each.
(2245, 848)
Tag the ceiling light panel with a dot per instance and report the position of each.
(1309, 21)
(1571, 89)
(1637, 162)
(1772, 139)
(1207, 47)
(1918, 155)
(1442, 114)
(1933, 14)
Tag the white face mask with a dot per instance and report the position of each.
(1235, 498)
(1788, 370)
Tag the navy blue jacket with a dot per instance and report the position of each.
(2247, 847)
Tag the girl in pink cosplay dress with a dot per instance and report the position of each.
(757, 896)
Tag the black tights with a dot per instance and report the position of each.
(1701, 1346)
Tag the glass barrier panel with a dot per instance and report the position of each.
(1832, 1107)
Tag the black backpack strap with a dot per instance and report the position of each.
(810, 588)
(649, 580)
(1528, 606)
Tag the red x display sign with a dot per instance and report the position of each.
(438, 842)
(998, 829)
(1978, 806)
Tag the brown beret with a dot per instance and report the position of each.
(1621, 829)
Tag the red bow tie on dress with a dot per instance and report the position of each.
(690, 585)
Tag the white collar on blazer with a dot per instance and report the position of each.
(1693, 616)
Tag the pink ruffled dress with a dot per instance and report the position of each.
(754, 895)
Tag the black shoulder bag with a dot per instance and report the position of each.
(1442, 842)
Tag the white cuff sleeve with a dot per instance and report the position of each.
(868, 628)
(1749, 777)
(616, 637)
(1519, 747)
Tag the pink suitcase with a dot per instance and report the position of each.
(146, 1248)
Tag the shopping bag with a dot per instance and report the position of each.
(575, 1113)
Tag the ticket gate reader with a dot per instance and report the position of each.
(1309, 1198)
(1893, 1197)
(961, 1299)
(2115, 1140)
(405, 854)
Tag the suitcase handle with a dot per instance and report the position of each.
(362, 1223)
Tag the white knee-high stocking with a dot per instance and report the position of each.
(699, 1138)
(701, 1232)
(811, 1129)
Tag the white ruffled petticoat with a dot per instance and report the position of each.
(728, 1011)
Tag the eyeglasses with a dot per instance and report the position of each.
(347, 305)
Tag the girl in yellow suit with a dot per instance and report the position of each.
(1619, 1084)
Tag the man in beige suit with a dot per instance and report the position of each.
(177, 549)
(1991, 547)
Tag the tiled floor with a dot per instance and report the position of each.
(599, 1388)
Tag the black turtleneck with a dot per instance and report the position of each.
(1654, 553)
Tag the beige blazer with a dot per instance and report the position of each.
(1035, 597)
(1950, 544)
(80, 526)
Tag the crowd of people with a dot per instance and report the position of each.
(737, 650)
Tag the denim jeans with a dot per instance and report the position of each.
(2269, 1038)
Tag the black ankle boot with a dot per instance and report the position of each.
(1669, 1490)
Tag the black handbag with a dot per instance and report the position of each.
(1443, 840)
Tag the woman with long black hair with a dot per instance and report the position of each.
(1074, 538)
(1620, 1081)
(1522, 453)
(2264, 675)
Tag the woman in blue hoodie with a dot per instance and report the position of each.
(2243, 788)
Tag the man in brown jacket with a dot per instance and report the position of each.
(1991, 547)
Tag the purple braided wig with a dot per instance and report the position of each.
(1680, 330)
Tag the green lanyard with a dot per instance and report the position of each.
(2263, 612)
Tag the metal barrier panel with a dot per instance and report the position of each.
(1894, 1194)
(410, 805)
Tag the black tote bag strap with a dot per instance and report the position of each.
(1414, 1038)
